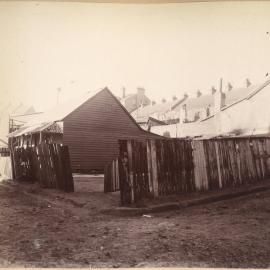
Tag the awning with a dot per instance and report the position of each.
(35, 128)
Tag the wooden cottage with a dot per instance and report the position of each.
(91, 127)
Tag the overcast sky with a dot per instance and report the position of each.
(166, 48)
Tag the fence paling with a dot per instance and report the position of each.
(49, 164)
(111, 177)
(164, 167)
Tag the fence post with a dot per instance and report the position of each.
(218, 164)
(154, 168)
(129, 150)
(149, 166)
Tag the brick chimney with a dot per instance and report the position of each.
(213, 90)
(219, 99)
(174, 98)
(248, 83)
(199, 93)
(163, 100)
(219, 102)
(153, 103)
(123, 92)
(185, 95)
(183, 114)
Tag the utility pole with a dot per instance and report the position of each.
(58, 93)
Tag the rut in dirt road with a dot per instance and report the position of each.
(42, 231)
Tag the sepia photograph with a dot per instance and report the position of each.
(135, 134)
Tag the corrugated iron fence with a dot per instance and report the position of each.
(165, 167)
(49, 164)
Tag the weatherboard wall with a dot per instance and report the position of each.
(92, 132)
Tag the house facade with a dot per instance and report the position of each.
(159, 111)
(133, 101)
(248, 114)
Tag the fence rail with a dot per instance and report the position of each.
(49, 164)
(4, 152)
(165, 167)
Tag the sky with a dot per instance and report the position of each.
(168, 49)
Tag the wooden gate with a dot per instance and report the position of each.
(155, 168)
(133, 171)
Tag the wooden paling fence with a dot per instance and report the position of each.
(165, 167)
(4, 152)
(49, 164)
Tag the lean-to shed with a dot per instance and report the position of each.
(91, 127)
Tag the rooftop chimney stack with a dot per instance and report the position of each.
(174, 98)
(153, 103)
(183, 114)
(163, 100)
(230, 87)
(199, 93)
(248, 83)
(140, 91)
(213, 90)
(185, 95)
(123, 92)
(219, 99)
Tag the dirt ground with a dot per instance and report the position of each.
(48, 228)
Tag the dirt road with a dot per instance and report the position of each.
(46, 228)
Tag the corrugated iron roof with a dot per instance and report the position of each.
(39, 122)
(196, 103)
(59, 112)
(230, 97)
(192, 129)
(142, 113)
(35, 128)
(239, 93)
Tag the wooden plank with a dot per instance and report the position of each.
(131, 172)
(69, 184)
(267, 145)
(149, 168)
(155, 179)
(218, 164)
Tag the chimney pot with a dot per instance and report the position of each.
(219, 100)
(213, 90)
(230, 87)
(174, 98)
(248, 83)
(199, 93)
(163, 100)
